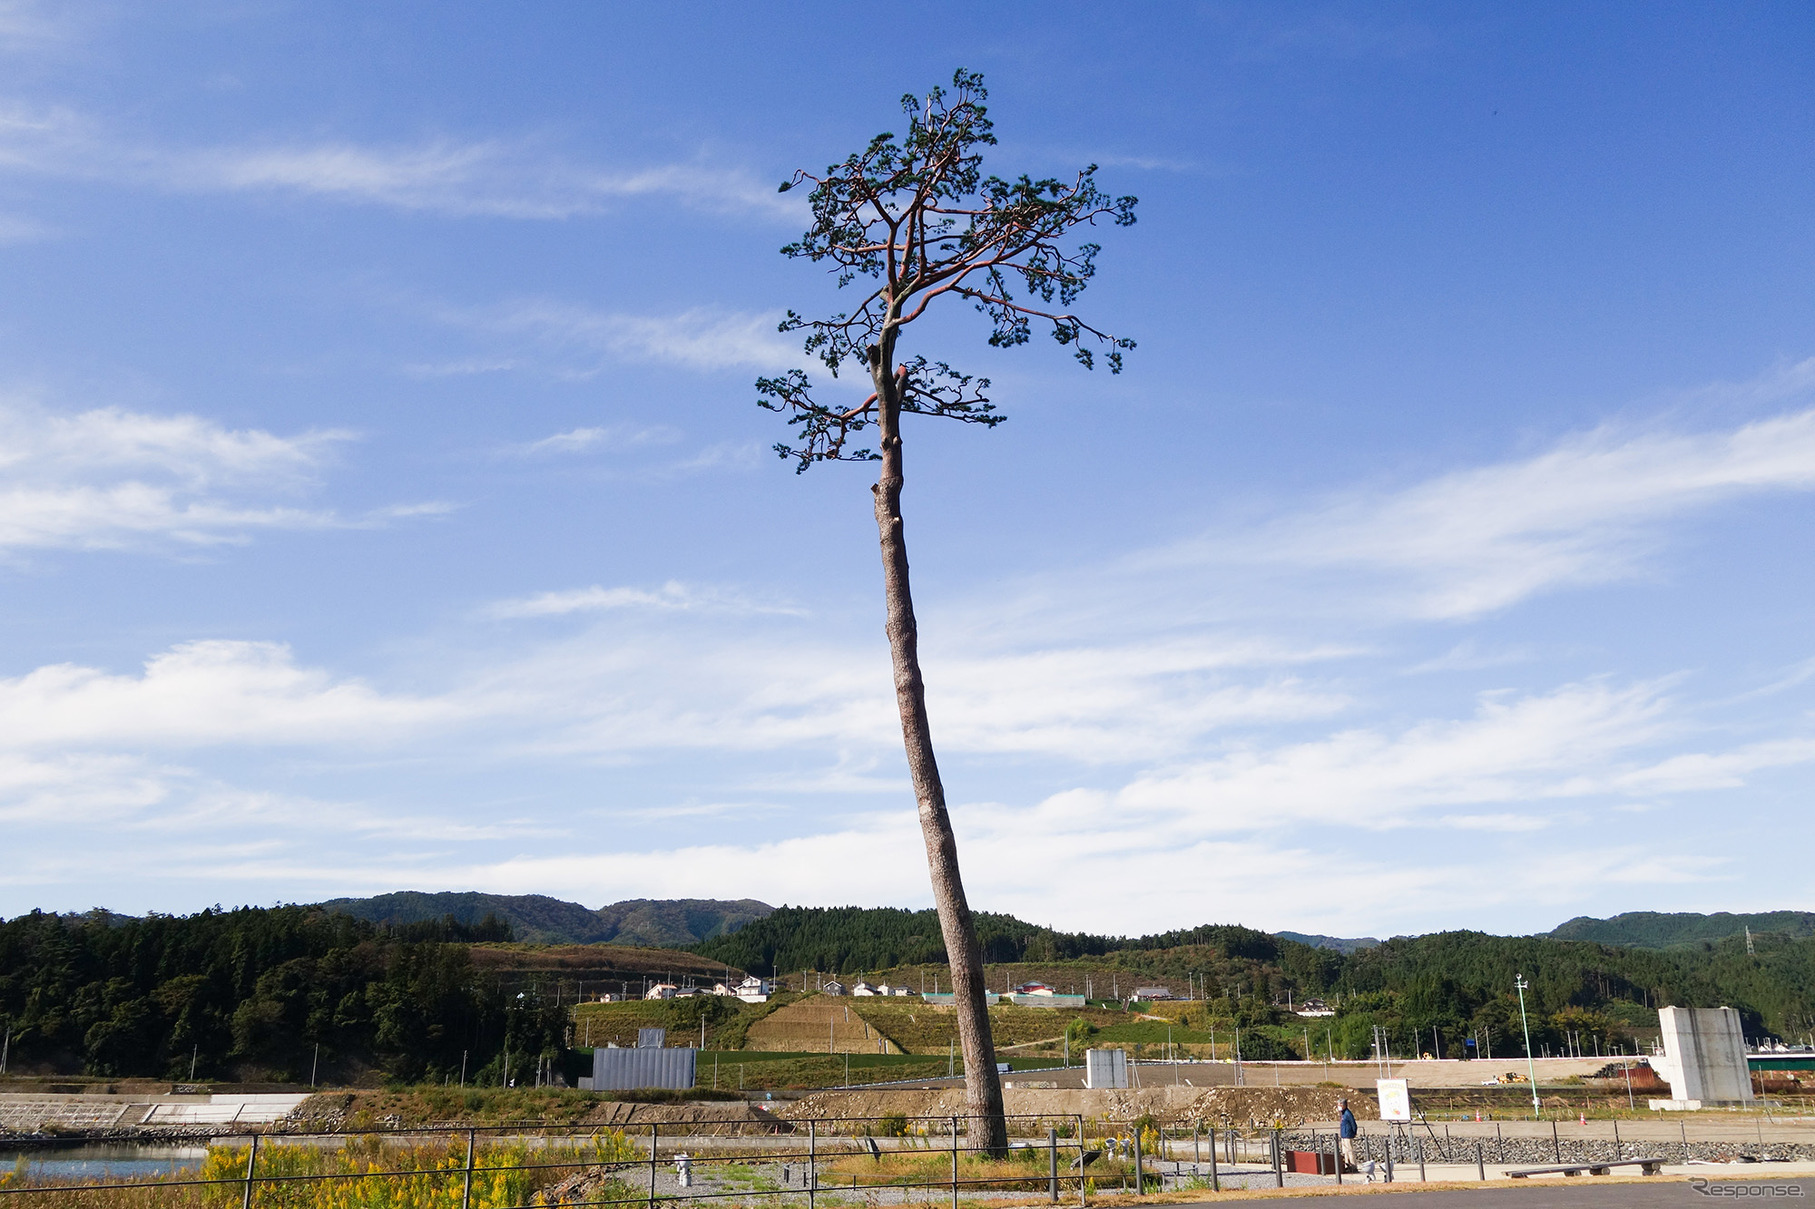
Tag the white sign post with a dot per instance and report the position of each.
(1395, 1099)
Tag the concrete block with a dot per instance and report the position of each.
(1704, 1055)
(1105, 1068)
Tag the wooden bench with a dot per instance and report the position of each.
(1645, 1166)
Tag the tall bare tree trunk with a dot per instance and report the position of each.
(988, 1129)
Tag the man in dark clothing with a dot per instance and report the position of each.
(1345, 1132)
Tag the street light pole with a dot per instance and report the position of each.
(1537, 1109)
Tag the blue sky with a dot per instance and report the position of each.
(384, 503)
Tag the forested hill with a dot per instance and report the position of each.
(537, 919)
(264, 994)
(250, 993)
(854, 939)
(1657, 930)
(1457, 982)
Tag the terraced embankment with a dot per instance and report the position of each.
(822, 1024)
(26, 1114)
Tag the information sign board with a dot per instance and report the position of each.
(1395, 1099)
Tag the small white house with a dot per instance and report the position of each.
(862, 988)
(755, 990)
(661, 990)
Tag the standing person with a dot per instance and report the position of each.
(1345, 1133)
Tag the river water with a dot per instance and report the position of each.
(102, 1162)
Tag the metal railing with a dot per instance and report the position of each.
(781, 1162)
(798, 1163)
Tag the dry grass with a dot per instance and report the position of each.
(363, 1174)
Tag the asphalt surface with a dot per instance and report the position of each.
(1586, 1193)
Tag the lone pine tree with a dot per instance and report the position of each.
(916, 221)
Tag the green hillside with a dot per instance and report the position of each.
(1659, 930)
(849, 940)
(1459, 983)
(675, 923)
(251, 993)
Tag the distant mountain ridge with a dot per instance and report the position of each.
(686, 923)
(1341, 944)
(669, 923)
(1664, 930)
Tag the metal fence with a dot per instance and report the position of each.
(895, 1159)
(798, 1163)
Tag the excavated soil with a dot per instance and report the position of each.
(709, 1119)
(1241, 1107)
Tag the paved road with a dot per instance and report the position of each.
(1655, 1193)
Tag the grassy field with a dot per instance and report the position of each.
(922, 1029)
(930, 1031)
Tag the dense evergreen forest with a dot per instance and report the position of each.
(1659, 930)
(259, 994)
(853, 939)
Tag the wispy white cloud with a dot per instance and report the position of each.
(612, 438)
(1532, 821)
(595, 599)
(1470, 656)
(1523, 750)
(210, 693)
(579, 342)
(37, 442)
(497, 178)
(17, 229)
(29, 27)
(1588, 742)
(1593, 509)
(109, 478)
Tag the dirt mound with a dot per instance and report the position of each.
(711, 1119)
(1241, 1107)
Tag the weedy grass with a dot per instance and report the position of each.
(363, 1174)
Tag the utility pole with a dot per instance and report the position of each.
(1537, 1109)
